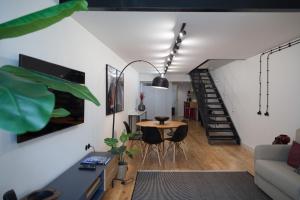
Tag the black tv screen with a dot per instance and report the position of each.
(62, 99)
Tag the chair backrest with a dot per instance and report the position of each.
(10, 195)
(185, 121)
(128, 130)
(151, 135)
(180, 133)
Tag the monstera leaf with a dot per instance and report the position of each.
(60, 112)
(41, 19)
(24, 105)
(52, 82)
(25, 102)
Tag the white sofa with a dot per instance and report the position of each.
(272, 173)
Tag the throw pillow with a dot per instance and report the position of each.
(297, 170)
(294, 155)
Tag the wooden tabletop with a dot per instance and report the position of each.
(168, 124)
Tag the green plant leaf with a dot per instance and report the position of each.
(124, 137)
(131, 152)
(111, 142)
(24, 105)
(40, 19)
(122, 149)
(115, 150)
(60, 112)
(53, 82)
(132, 134)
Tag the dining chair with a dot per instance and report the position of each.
(152, 138)
(171, 132)
(10, 195)
(176, 141)
(136, 138)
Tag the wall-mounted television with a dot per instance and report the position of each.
(62, 99)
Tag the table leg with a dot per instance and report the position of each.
(162, 134)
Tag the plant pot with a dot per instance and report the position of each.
(141, 106)
(122, 170)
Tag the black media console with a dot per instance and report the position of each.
(75, 184)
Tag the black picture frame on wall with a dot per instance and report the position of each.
(111, 79)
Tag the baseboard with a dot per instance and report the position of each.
(191, 170)
(248, 147)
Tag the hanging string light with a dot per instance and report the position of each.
(269, 53)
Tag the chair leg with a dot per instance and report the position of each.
(169, 146)
(183, 149)
(141, 146)
(174, 147)
(145, 154)
(157, 151)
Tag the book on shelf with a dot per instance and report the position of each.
(98, 160)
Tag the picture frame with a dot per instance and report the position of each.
(111, 78)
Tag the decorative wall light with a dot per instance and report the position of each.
(269, 53)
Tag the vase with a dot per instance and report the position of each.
(122, 171)
(141, 106)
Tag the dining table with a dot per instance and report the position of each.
(170, 124)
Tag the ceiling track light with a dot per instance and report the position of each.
(178, 41)
(182, 34)
(176, 46)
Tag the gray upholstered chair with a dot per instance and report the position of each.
(272, 173)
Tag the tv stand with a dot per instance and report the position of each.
(78, 184)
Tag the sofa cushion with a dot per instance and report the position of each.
(281, 175)
(294, 155)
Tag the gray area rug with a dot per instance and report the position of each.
(196, 185)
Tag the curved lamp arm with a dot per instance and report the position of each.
(117, 81)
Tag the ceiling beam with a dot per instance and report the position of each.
(195, 5)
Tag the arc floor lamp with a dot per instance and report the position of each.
(159, 82)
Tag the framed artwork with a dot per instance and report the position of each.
(111, 78)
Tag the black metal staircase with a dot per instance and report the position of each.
(213, 113)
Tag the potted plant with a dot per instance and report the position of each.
(121, 150)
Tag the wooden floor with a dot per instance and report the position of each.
(201, 156)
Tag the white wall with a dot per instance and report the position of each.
(164, 100)
(238, 85)
(31, 165)
(158, 102)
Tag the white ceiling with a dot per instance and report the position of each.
(150, 35)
